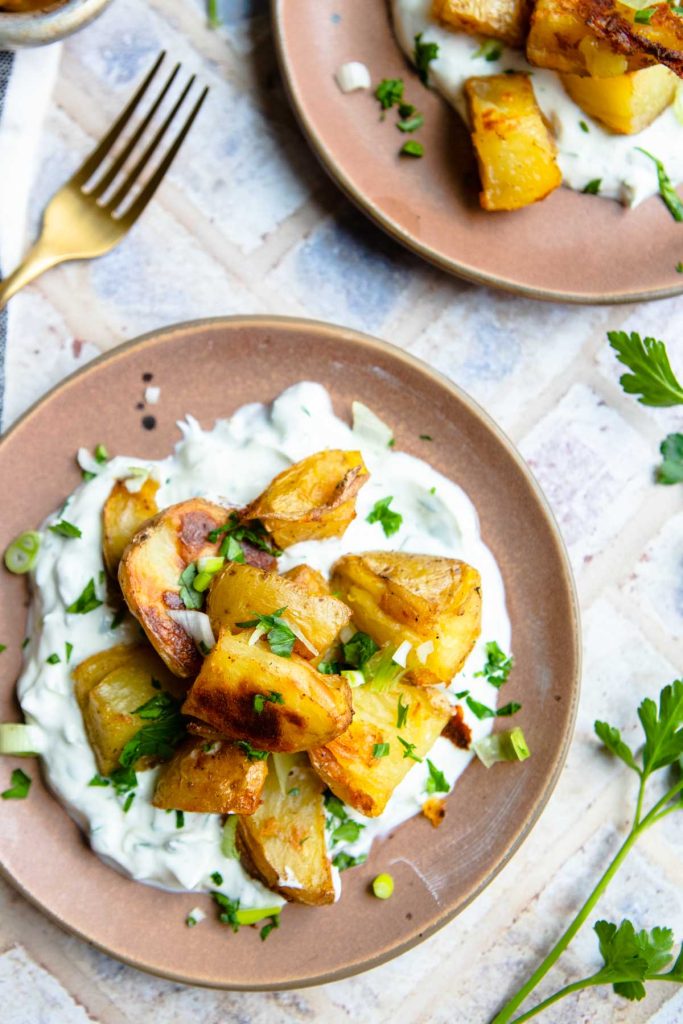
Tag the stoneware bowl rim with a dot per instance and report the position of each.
(48, 24)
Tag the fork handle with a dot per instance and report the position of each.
(38, 259)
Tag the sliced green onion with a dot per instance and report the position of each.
(228, 846)
(202, 581)
(381, 671)
(19, 739)
(283, 764)
(254, 914)
(21, 555)
(210, 564)
(383, 886)
(502, 746)
(353, 676)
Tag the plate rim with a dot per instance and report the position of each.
(275, 322)
(451, 266)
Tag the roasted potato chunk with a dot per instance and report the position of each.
(109, 688)
(210, 778)
(624, 103)
(246, 692)
(348, 765)
(283, 842)
(514, 148)
(122, 516)
(313, 499)
(506, 20)
(396, 596)
(150, 570)
(240, 591)
(311, 579)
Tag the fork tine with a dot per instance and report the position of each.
(135, 173)
(136, 208)
(87, 169)
(106, 180)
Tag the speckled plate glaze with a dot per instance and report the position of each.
(208, 369)
(570, 248)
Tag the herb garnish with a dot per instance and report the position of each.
(584, 127)
(491, 50)
(274, 922)
(389, 92)
(671, 198)
(163, 731)
(402, 714)
(86, 602)
(630, 958)
(347, 830)
(498, 665)
(380, 750)
(179, 819)
(358, 649)
(409, 750)
(344, 861)
(410, 124)
(234, 531)
(280, 637)
(412, 148)
(482, 711)
(644, 15)
(228, 908)
(261, 699)
(593, 187)
(65, 529)
(671, 469)
(53, 659)
(99, 780)
(651, 377)
(423, 56)
(190, 597)
(21, 783)
(436, 783)
(251, 752)
(101, 454)
(381, 513)
(68, 650)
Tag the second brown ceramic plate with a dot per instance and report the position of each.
(571, 247)
(208, 369)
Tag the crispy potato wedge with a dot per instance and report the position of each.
(150, 570)
(109, 687)
(283, 842)
(515, 151)
(240, 591)
(347, 764)
(311, 579)
(395, 596)
(122, 516)
(299, 705)
(507, 20)
(311, 500)
(657, 41)
(624, 103)
(210, 778)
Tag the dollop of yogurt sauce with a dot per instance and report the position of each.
(232, 463)
(625, 173)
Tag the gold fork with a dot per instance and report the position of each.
(80, 221)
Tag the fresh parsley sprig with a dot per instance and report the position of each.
(498, 665)
(630, 958)
(389, 520)
(651, 377)
(278, 634)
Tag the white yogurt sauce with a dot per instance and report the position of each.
(232, 463)
(626, 174)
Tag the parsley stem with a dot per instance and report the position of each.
(575, 986)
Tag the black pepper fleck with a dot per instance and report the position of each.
(140, 405)
(147, 377)
(149, 422)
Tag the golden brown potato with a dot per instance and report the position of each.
(150, 570)
(657, 41)
(239, 592)
(283, 842)
(311, 579)
(349, 765)
(109, 688)
(313, 499)
(515, 151)
(395, 596)
(122, 516)
(295, 704)
(506, 20)
(210, 777)
(624, 103)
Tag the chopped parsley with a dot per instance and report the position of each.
(344, 861)
(261, 699)
(234, 531)
(483, 711)
(251, 752)
(670, 196)
(409, 750)
(593, 187)
(436, 783)
(348, 832)
(679, 267)
(21, 783)
(65, 529)
(3, 647)
(426, 437)
(86, 602)
(228, 910)
(191, 921)
(358, 649)
(53, 659)
(405, 109)
(390, 92)
(101, 454)
(671, 469)
(402, 712)
(179, 819)
(99, 780)
(423, 56)
(274, 922)
(329, 668)
(280, 637)
(410, 124)
(190, 597)
(344, 828)
(412, 148)
(128, 802)
(389, 520)
(163, 730)
(491, 50)
(68, 650)
(123, 780)
(497, 667)
(584, 127)
(380, 750)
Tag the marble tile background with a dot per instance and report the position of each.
(247, 222)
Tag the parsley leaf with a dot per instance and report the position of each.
(631, 957)
(436, 783)
(611, 737)
(482, 711)
(409, 750)
(423, 56)
(261, 699)
(593, 187)
(280, 637)
(663, 728)
(402, 712)
(348, 832)
(651, 375)
(228, 910)
(65, 529)
(667, 191)
(412, 148)
(498, 665)
(490, 50)
(344, 861)
(274, 922)
(21, 783)
(86, 602)
(389, 92)
(389, 520)
(358, 650)
(163, 731)
(190, 597)
(671, 469)
(410, 124)
(252, 753)
(234, 531)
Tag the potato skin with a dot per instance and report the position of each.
(314, 707)
(311, 500)
(109, 687)
(396, 596)
(122, 516)
(210, 778)
(506, 20)
(285, 840)
(314, 581)
(239, 591)
(150, 570)
(347, 764)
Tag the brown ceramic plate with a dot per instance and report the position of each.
(571, 247)
(209, 368)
